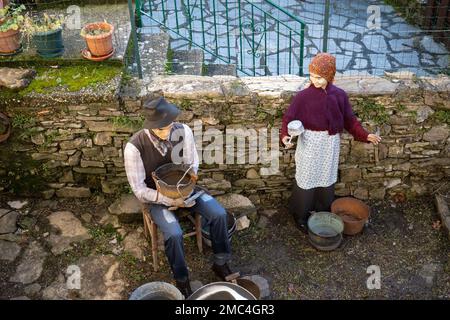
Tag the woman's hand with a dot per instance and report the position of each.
(375, 139)
(287, 143)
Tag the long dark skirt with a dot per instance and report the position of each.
(303, 201)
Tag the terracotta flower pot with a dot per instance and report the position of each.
(99, 45)
(9, 41)
(353, 212)
(3, 3)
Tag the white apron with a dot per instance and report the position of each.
(317, 159)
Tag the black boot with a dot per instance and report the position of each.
(303, 227)
(224, 272)
(184, 287)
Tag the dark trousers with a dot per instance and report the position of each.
(303, 201)
(213, 214)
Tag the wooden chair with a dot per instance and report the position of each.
(151, 229)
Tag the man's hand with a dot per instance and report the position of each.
(174, 204)
(375, 139)
(286, 142)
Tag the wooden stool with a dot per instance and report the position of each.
(150, 228)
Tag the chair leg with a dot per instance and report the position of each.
(150, 226)
(154, 236)
(145, 225)
(198, 232)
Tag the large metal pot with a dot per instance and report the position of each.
(175, 180)
(222, 291)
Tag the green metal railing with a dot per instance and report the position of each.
(240, 32)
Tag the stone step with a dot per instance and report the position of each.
(220, 70)
(188, 62)
(153, 48)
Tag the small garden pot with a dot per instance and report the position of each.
(9, 42)
(99, 45)
(3, 3)
(49, 44)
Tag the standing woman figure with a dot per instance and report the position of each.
(324, 111)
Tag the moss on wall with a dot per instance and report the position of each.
(20, 174)
(68, 77)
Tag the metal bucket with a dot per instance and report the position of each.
(175, 180)
(325, 230)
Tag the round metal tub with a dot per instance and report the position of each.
(325, 230)
(157, 291)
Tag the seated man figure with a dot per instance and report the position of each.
(152, 147)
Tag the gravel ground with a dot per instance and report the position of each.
(411, 252)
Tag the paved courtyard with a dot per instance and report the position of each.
(393, 45)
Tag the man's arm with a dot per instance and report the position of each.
(134, 167)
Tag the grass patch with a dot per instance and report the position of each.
(133, 267)
(168, 66)
(106, 232)
(442, 116)
(22, 121)
(204, 69)
(124, 121)
(370, 110)
(186, 104)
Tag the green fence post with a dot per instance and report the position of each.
(138, 14)
(326, 19)
(135, 39)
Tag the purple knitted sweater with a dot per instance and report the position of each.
(324, 110)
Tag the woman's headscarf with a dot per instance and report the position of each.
(323, 64)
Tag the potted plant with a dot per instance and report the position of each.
(11, 20)
(3, 3)
(98, 38)
(46, 31)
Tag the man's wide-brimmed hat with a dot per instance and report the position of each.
(159, 113)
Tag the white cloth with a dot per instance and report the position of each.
(135, 171)
(317, 159)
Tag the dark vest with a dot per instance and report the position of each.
(151, 157)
